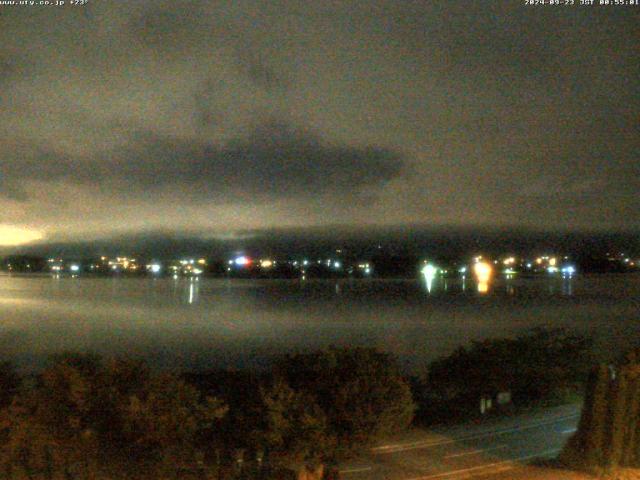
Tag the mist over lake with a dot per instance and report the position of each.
(204, 323)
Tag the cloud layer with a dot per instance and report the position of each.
(272, 163)
(262, 114)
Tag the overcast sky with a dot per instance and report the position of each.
(126, 116)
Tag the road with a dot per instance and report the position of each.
(468, 450)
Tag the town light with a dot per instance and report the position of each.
(429, 272)
(483, 271)
(242, 261)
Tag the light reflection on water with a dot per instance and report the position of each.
(509, 283)
(194, 290)
(567, 285)
(194, 322)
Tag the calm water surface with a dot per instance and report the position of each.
(191, 323)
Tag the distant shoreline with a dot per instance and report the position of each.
(308, 279)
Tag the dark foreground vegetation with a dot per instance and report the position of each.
(87, 418)
(538, 368)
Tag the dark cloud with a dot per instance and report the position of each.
(275, 161)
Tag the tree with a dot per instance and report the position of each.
(162, 420)
(535, 366)
(360, 390)
(81, 416)
(48, 427)
(295, 428)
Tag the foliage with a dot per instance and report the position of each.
(535, 366)
(47, 426)
(80, 415)
(164, 417)
(240, 390)
(295, 430)
(83, 417)
(360, 390)
(531, 366)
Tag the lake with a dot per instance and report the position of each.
(203, 323)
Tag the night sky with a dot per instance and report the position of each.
(121, 117)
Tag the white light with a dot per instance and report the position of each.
(155, 268)
(568, 270)
(74, 268)
(197, 271)
(463, 270)
(429, 271)
(337, 264)
(552, 269)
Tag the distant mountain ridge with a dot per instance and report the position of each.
(444, 242)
